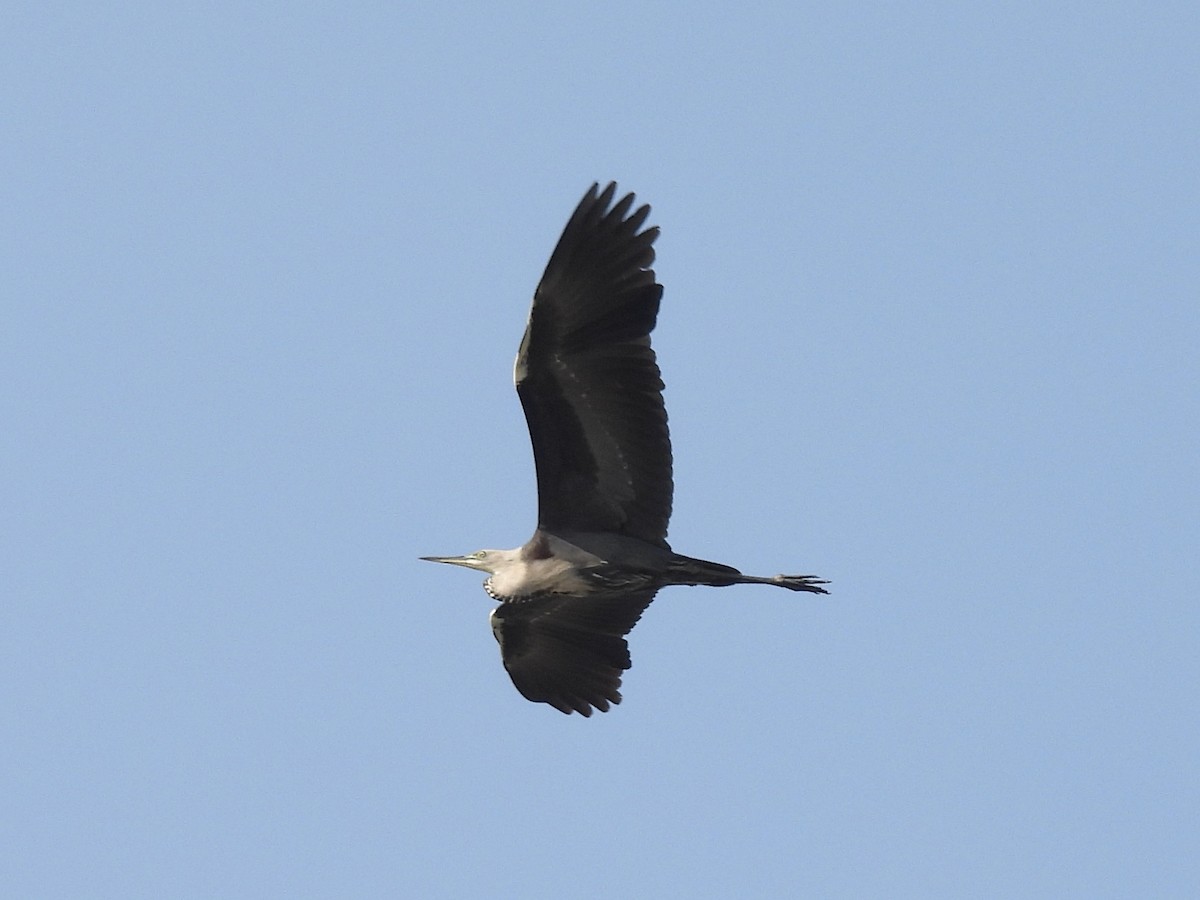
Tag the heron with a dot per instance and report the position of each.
(589, 383)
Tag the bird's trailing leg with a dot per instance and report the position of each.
(686, 570)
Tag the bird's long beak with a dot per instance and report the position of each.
(468, 561)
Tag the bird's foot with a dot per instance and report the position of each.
(810, 583)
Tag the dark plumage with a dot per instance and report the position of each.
(592, 394)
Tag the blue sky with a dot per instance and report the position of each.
(930, 331)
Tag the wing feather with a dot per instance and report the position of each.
(589, 381)
(568, 651)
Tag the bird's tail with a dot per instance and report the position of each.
(687, 570)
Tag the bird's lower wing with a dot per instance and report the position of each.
(569, 651)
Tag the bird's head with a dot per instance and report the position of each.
(482, 560)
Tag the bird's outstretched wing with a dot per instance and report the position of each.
(568, 651)
(589, 382)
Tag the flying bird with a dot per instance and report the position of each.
(591, 389)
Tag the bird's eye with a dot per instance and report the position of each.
(479, 554)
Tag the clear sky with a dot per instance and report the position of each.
(930, 331)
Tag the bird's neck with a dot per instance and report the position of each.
(526, 578)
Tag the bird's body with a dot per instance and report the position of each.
(592, 393)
